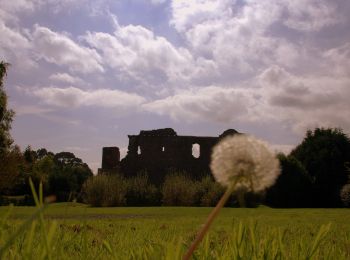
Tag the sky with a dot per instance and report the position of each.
(86, 73)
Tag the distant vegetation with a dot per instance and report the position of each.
(61, 174)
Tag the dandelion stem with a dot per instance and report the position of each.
(207, 224)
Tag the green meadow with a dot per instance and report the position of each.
(77, 231)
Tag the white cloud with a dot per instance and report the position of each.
(339, 59)
(305, 101)
(233, 37)
(10, 9)
(137, 53)
(29, 109)
(311, 15)
(59, 49)
(15, 47)
(190, 13)
(241, 38)
(205, 104)
(12, 39)
(67, 78)
(75, 97)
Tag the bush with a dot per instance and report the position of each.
(209, 192)
(141, 192)
(345, 195)
(23, 200)
(179, 190)
(105, 191)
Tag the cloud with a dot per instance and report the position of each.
(233, 37)
(275, 95)
(204, 104)
(339, 59)
(10, 9)
(305, 101)
(241, 38)
(57, 6)
(59, 49)
(30, 109)
(75, 97)
(67, 78)
(186, 14)
(15, 47)
(282, 148)
(136, 53)
(311, 15)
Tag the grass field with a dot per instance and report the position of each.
(76, 231)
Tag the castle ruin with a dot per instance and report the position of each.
(160, 151)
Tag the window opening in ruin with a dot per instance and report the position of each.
(195, 150)
(163, 149)
(138, 150)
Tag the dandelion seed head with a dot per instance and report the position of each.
(246, 161)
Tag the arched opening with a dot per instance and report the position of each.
(138, 150)
(163, 149)
(196, 150)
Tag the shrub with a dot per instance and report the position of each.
(209, 192)
(105, 191)
(345, 195)
(179, 190)
(141, 192)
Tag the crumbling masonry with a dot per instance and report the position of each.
(160, 151)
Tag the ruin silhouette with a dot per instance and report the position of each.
(158, 152)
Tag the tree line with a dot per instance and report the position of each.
(62, 174)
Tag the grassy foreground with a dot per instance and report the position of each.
(76, 231)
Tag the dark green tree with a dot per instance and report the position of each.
(292, 187)
(8, 157)
(324, 154)
(11, 176)
(30, 155)
(68, 176)
(6, 115)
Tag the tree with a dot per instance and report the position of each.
(10, 171)
(68, 175)
(6, 114)
(9, 158)
(324, 154)
(292, 187)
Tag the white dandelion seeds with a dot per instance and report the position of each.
(245, 162)
(241, 163)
